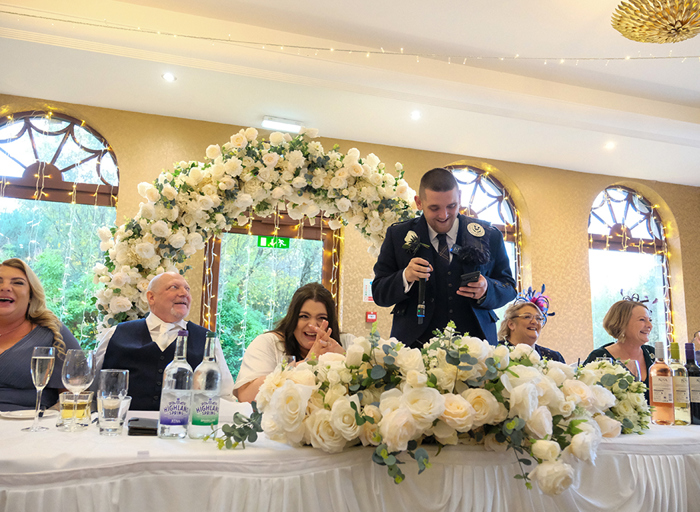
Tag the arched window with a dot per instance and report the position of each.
(58, 184)
(485, 198)
(627, 256)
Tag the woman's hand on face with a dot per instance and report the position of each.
(324, 343)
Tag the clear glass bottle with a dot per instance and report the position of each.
(681, 393)
(661, 389)
(693, 383)
(176, 394)
(206, 391)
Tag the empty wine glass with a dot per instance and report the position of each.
(77, 375)
(286, 360)
(633, 367)
(42, 366)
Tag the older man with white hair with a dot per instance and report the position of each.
(145, 347)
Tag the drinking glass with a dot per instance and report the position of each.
(111, 395)
(42, 366)
(633, 367)
(286, 360)
(77, 374)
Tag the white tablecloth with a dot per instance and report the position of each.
(85, 472)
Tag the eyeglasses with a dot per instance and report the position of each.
(528, 318)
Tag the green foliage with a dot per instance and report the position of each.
(243, 429)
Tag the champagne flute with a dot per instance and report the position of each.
(77, 375)
(42, 366)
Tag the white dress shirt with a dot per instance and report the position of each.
(163, 334)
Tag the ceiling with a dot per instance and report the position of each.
(534, 81)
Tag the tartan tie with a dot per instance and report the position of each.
(443, 250)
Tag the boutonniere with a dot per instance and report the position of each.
(412, 243)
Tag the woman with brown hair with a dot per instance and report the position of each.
(25, 323)
(309, 329)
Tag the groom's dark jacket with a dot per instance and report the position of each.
(442, 302)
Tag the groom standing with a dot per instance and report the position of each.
(448, 245)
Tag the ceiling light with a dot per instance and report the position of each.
(169, 77)
(657, 21)
(284, 125)
(415, 115)
(610, 145)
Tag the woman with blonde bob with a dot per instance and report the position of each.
(25, 323)
(522, 323)
(629, 322)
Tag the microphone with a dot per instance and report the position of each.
(421, 300)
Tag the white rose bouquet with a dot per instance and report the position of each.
(456, 389)
(630, 408)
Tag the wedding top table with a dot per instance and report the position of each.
(85, 472)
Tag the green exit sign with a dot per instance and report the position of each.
(273, 242)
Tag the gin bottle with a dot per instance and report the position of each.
(206, 390)
(661, 389)
(176, 394)
(681, 393)
(693, 383)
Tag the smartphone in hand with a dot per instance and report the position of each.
(470, 277)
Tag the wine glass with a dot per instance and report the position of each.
(633, 367)
(77, 375)
(286, 360)
(42, 366)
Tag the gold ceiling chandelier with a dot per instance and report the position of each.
(657, 21)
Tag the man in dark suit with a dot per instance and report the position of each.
(450, 245)
(145, 347)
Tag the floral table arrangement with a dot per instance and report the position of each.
(456, 389)
(247, 175)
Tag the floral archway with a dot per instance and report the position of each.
(245, 176)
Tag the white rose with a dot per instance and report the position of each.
(119, 305)
(106, 246)
(409, 359)
(303, 376)
(295, 159)
(525, 350)
(354, 154)
(169, 192)
(299, 182)
(119, 279)
(272, 382)
(426, 404)
(311, 133)
(147, 211)
(354, 169)
(458, 413)
(160, 229)
(398, 427)
(523, 401)
(104, 233)
(603, 398)
(540, 423)
(519, 374)
(243, 201)
(213, 151)
(484, 403)
(334, 392)
(625, 409)
(553, 478)
(578, 392)
(343, 417)
(547, 451)
(389, 401)
(321, 434)
(276, 138)
(609, 427)
(567, 370)
(239, 140)
(177, 240)
(143, 187)
(270, 159)
(251, 134)
(502, 354)
(584, 446)
(335, 224)
(288, 408)
(445, 434)
(416, 379)
(145, 250)
(354, 354)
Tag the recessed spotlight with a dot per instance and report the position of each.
(169, 77)
(415, 115)
(610, 145)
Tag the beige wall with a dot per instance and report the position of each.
(554, 205)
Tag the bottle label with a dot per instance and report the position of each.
(694, 389)
(205, 411)
(661, 389)
(175, 412)
(680, 390)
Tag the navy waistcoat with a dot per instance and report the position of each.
(131, 348)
